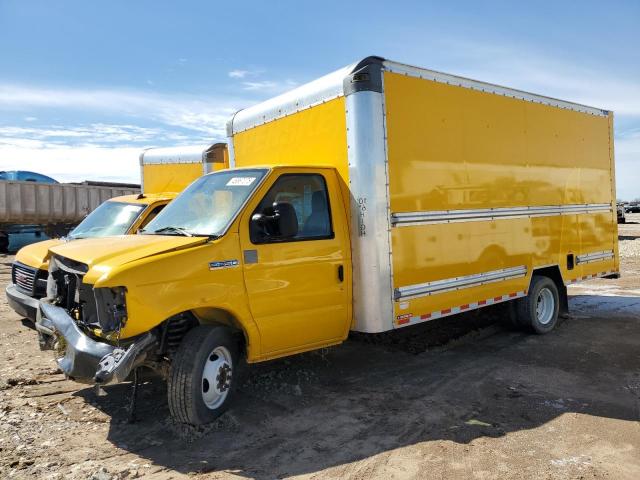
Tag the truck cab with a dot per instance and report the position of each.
(233, 249)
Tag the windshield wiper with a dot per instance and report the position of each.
(178, 230)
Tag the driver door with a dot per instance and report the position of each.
(297, 286)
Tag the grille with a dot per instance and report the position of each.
(24, 277)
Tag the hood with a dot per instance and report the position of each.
(111, 252)
(36, 255)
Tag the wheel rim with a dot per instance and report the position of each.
(545, 306)
(216, 377)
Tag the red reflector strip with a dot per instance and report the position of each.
(408, 318)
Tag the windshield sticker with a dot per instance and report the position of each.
(240, 181)
(223, 264)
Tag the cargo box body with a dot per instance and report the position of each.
(458, 190)
(171, 169)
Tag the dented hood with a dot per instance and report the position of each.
(111, 252)
(36, 255)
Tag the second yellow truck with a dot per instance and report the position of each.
(376, 197)
(164, 172)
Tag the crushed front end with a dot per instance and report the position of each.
(85, 325)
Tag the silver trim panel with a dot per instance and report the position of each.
(455, 80)
(401, 219)
(184, 154)
(370, 241)
(457, 283)
(594, 257)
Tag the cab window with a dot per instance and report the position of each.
(152, 215)
(303, 194)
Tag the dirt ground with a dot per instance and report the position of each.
(461, 399)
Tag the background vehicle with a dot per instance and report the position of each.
(633, 207)
(621, 213)
(26, 176)
(376, 197)
(164, 173)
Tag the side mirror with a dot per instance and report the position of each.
(278, 222)
(287, 219)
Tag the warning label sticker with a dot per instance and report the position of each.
(240, 181)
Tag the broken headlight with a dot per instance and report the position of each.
(111, 308)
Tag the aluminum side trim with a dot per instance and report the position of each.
(170, 155)
(401, 219)
(370, 240)
(594, 257)
(457, 283)
(440, 77)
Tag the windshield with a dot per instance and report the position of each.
(110, 218)
(208, 205)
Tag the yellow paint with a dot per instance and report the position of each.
(37, 254)
(316, 136)
(173, 177)
(295, 296)
(452, 148)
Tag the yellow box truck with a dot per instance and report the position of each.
(376, 197)
(164, 173)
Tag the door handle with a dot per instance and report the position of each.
(341, 273)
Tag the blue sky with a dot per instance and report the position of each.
(84, 86)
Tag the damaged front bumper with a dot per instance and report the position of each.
(88, 361)
(24, 305)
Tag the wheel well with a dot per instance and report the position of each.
(553, 272)
(173, 330)
(219, 316)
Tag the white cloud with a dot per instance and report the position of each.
(205, 115)
(72, 164)
(269, 86)
(263, 85)
(238, 73)
(534, 71)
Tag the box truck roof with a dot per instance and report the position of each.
(367, 75)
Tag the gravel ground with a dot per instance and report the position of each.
(459, 399)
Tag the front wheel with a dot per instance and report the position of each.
(539, 309)
(203, 375)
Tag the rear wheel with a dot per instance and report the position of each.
(539, 309)
(203, 375)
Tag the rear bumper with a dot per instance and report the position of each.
(88, 361)
(23, 304)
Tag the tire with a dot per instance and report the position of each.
(4, 243)
(539, 310)
(196, 392)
